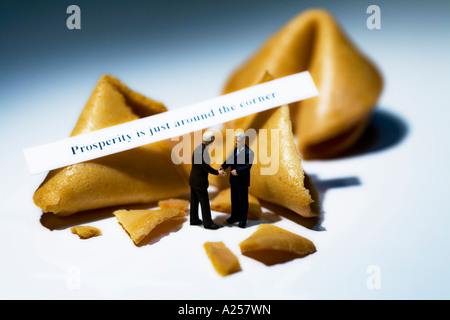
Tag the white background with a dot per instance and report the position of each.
(383, 206)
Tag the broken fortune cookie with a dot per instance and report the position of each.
(141, 175)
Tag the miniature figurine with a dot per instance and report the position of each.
(198, 181)
(240, 162)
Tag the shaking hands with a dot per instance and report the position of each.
(222, 172)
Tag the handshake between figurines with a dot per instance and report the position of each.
(222, 172)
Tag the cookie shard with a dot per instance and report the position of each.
(86, 232)
(349, 83)
(271, 245)
(222, 203)
(141, 175)
(139, 223)
(222, 259)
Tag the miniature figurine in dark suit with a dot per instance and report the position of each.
(198, 181)
(240, 162)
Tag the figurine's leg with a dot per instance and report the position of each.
(243, 205)
(204, 203)
(194, 220)
(234, 206)
(206, 209)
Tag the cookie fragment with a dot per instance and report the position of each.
(139, 223)
(271, 245)
(86, 232)
(223, 260)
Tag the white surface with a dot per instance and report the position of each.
(393, 214)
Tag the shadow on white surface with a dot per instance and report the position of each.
(52, 221)
(385, 130)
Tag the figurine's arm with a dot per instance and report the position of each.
(228, 162)
(210, 169)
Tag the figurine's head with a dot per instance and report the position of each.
(208, 137)
(240, 139)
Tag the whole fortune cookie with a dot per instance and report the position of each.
(349, 84)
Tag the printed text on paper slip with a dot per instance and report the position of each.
(172, 123)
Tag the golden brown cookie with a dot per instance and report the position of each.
(141, 175)
(86, 232)
(222, 259)
(349, 83)
(139, 223)
(180, 204)
(271, 245)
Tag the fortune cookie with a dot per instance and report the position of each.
(141, 175)
(348, 83)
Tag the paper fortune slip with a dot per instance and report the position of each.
(172, 123)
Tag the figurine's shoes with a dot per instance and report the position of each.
(212, 226)
(196, 222)
(242, 224)
(231, 220)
